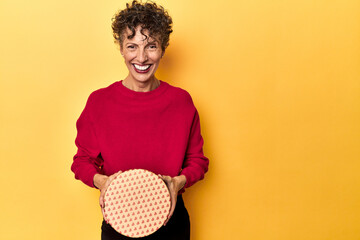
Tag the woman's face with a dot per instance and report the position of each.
(142, 55)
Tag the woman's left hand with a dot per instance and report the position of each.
(174, 185)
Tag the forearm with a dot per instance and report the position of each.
(194, 169)
(195, 164)
(84, 169)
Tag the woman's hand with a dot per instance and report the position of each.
(102, 182)
(174, 185)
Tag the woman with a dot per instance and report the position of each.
(142, 122)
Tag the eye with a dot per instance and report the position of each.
(152, 46)
(130, 47)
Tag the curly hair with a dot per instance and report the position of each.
(149, 16)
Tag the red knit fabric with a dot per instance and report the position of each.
(120, 129)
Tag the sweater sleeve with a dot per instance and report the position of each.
(87, 161)
(195, 163)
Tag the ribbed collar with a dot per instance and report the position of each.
(142, 95)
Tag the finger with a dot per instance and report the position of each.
(103, 192)
(103, 213)
(173, 204)
(102, 196)
(101, 201)
(173, 195)
(172, 209)
(166, 179)
(173, 199)
(115, 175)
(110, 179)
(105, 187)
(108, 182)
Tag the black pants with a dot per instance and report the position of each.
(178, 227)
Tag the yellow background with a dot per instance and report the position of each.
(277, 85)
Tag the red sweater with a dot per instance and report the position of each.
(120, 129)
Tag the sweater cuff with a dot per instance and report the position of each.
(89, 178)
(188, 179)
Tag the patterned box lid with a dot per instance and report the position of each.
(137, 203)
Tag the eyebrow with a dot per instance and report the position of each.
(149, 43)
(152, 42)
(146, 39)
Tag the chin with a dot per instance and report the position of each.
(143, 79)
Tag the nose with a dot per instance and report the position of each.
(142, 55)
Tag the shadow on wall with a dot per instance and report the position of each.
(173, 67)
(170, 64)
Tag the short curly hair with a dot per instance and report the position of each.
(149, 16)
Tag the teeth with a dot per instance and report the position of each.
(141, 68)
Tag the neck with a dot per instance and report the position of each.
(137, 86)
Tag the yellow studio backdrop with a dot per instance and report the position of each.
(277, 85)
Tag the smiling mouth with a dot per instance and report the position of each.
(142, 68)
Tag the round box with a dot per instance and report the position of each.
(137, 203)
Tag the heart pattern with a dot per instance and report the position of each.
(137, 203)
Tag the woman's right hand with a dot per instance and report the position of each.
(102, 182)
